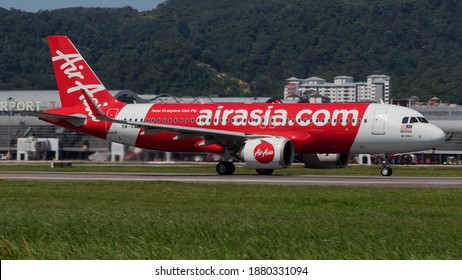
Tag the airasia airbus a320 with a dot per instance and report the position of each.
(265, 136)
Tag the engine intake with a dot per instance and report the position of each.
(268, 153)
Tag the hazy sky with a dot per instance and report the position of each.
(35, 5)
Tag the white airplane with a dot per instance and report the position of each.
(265, 136)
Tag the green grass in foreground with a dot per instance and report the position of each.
(151, 220)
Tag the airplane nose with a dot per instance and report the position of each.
(436, 135)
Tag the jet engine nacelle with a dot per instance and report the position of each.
(268, 153)
(325, 161)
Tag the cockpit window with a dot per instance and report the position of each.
(414, 120)
(422, 120)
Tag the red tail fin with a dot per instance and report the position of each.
(73, 74)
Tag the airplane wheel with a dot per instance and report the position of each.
(232, 168)
(225, 168)
(386, 171)
(265, 171)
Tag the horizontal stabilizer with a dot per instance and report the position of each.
(76, 120)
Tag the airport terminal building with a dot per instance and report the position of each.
(27, 138)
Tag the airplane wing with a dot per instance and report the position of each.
(211, 136)
(73, 119)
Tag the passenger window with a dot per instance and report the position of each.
(405, 120)
(414, 120)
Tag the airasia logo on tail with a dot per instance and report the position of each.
(71, 70)
(74, 72)
(264, 152)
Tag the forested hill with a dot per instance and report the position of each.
(245, 47)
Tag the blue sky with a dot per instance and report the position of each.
(35, 5)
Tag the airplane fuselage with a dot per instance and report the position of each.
(313, 128)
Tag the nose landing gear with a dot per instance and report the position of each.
(386, 171)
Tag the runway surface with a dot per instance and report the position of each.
(304, 180)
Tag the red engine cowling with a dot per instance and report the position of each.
(325, 161)
(268, 153)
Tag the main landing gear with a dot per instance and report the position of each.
(386, 171)
(225, 168)
(228, 168)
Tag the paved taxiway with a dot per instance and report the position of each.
(305, 180)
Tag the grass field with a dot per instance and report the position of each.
(151, 220)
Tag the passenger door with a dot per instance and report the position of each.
(378, 126)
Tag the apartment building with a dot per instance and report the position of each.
(342, 89)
